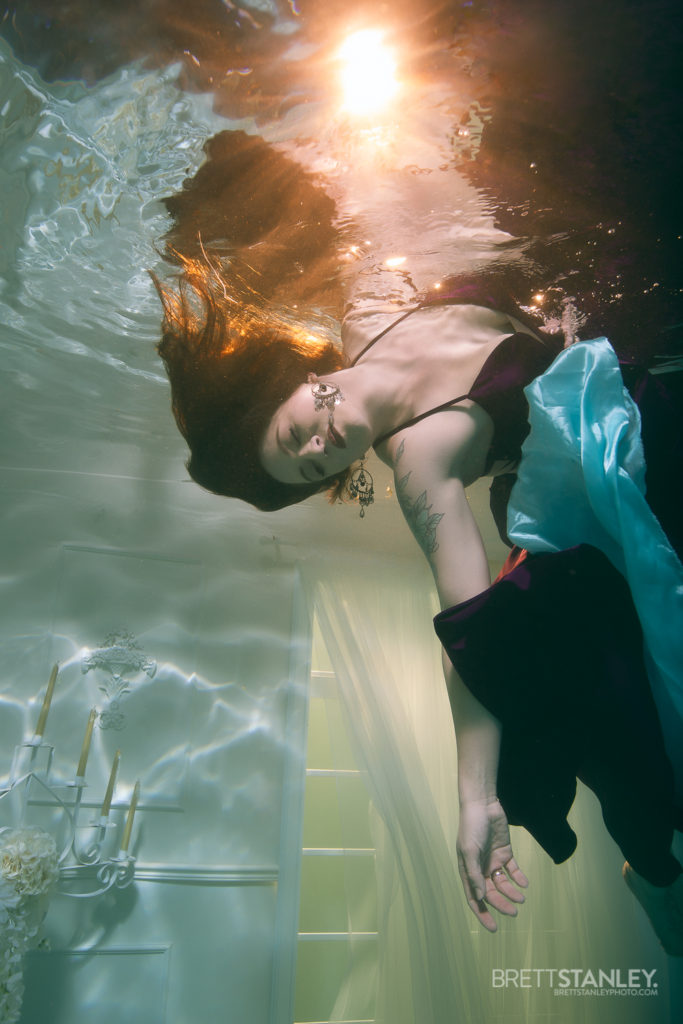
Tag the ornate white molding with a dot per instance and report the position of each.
(155, 950)
(341, 851)
(119, 655)
(222, 874)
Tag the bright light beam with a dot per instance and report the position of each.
(368, 74)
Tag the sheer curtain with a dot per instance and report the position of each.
(435, 962)
(388, 678)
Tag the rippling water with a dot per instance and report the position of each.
(81, 170)
(544, 137)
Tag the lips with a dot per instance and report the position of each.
(335, 437)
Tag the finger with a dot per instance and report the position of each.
(474, 884)
(481, 912)
(503, 884)
(516, 873)
(500, 901)
(472, 877)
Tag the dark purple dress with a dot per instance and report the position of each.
(554, 651)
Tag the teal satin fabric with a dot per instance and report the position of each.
(582, 479)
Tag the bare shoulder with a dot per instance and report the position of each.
(453, 443)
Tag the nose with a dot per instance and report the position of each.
(314, 446)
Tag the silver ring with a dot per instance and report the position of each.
(498, 871)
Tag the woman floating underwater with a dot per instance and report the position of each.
(545, 669)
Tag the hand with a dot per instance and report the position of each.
(487, 867)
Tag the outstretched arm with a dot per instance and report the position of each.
(485, 860)
(434, 503)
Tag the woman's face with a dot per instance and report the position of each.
(300, 445)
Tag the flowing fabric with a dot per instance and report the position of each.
(428, 961)
(582, 480)
(436, 961)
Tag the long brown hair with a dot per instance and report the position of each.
(230, 366)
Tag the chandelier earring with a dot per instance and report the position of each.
(325, 395)
(361, 487)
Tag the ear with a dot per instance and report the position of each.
(312, 378)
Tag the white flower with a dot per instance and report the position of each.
(28, 870)
(9, 897)
(28, 862)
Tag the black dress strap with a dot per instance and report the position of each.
(394, 323)
(416, 419)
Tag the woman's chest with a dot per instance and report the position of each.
(432, 354)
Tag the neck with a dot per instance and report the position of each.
(376, 392)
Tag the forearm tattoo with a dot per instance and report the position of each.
(418, 513)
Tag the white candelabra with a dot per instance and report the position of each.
(83, 860)
(32, 862)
